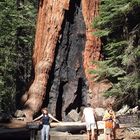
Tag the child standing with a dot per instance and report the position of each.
(109, 119)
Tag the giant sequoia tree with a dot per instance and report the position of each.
(66, 73)
(63, 43)
(65, 51)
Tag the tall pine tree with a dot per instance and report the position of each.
(16, 42)
(119, 28)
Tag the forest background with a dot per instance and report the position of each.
(118, 26)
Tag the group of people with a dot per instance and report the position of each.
(89, 116)
(91, 122)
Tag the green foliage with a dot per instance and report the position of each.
(17, 25)
(119, 28)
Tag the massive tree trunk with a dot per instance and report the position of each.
(64, 50)
(92, 52)
(50, 18)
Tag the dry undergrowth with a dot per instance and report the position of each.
(132, 133)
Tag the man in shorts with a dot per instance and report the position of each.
(89, 116)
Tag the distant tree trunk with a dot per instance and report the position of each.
(92, 50)
(50, 18)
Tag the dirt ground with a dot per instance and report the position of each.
(16, 130)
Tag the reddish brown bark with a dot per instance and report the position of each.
(50, 18)
(92, 52)
(93, 44)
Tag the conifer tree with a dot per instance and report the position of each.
(16, 25)
(119, 28)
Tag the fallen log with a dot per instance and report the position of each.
(75, 124)
(73, 127)
(100, 125)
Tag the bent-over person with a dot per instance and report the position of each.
(91, 124)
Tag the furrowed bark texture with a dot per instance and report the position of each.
(92, 52)
(69, 88)
(64, 50)
(90, 9)
(50, 18)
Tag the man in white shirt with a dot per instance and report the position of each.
(89, 116)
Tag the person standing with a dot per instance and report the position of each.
(109, 121)
(45, 116)
(91, 124)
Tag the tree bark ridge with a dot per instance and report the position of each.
(72, 82)
(90, 9)
(50, 18)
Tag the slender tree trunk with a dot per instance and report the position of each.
(50, 18)
(92, 50)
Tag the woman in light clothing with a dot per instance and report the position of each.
(45, 116)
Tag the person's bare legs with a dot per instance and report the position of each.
(88, 134)
(106, 136)
(114, 133)
(92, 133)
(110, 137)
